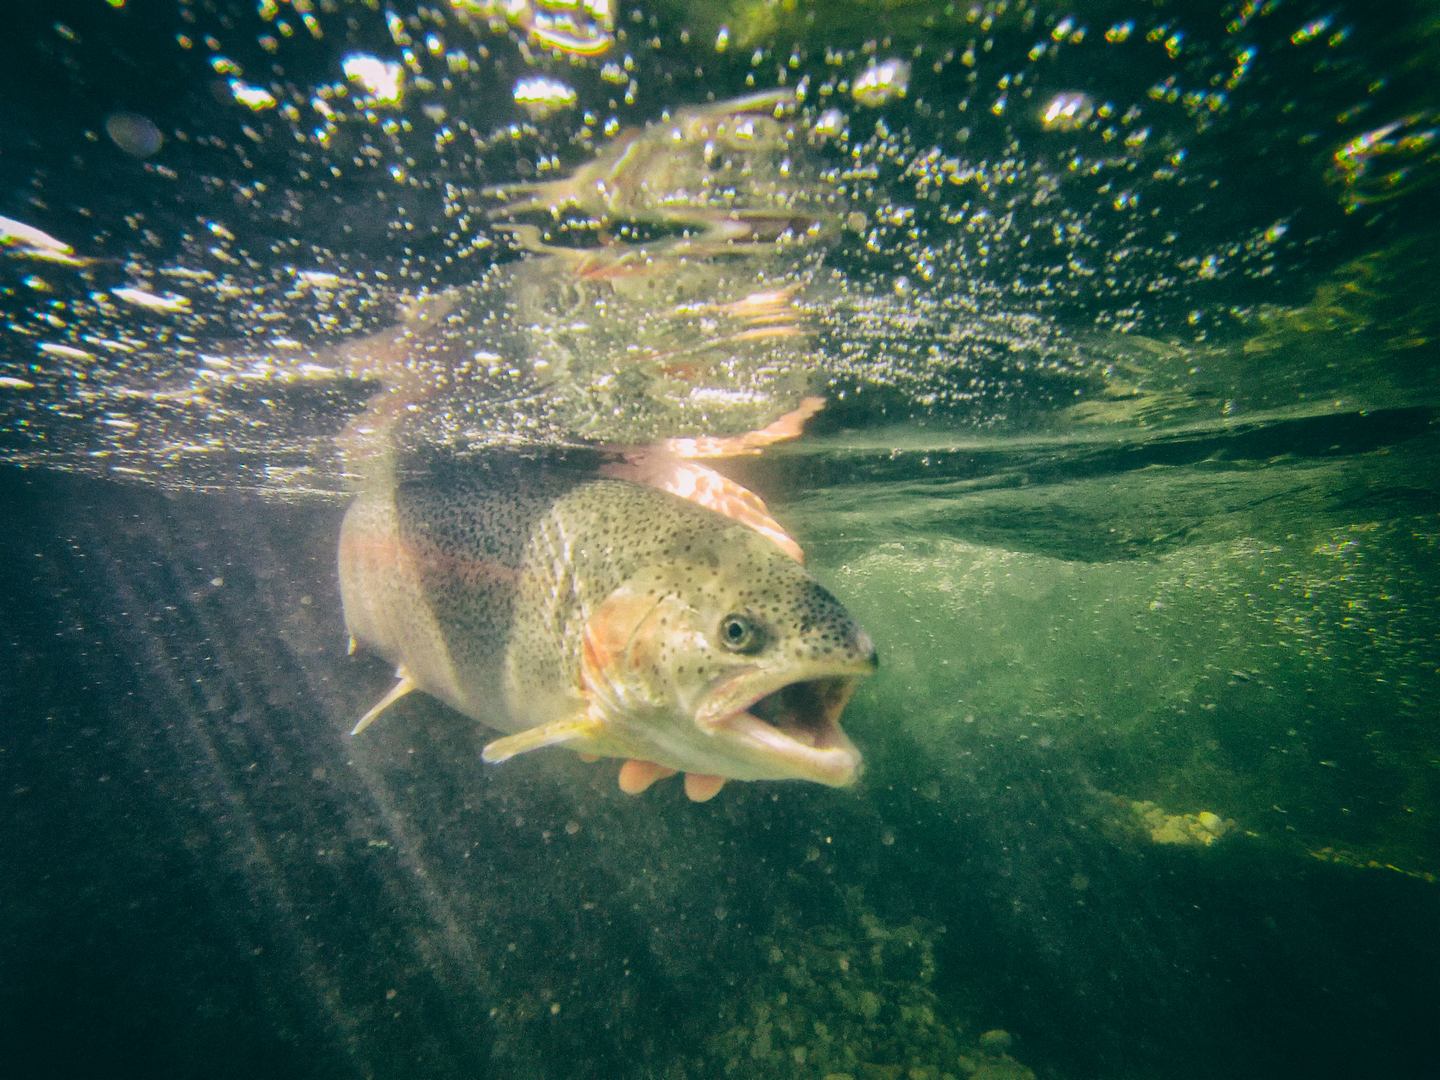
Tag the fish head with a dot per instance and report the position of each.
(727, 658)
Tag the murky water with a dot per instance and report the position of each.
(1124, 317)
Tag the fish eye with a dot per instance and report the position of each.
(741, 634)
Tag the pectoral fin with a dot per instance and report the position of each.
(403, 686)
(557, 732)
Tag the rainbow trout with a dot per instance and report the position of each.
(608, 617)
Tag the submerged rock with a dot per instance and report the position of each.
(996, 1040)
(1200, 829)
(850, 1000)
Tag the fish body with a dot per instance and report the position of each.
(607, 616)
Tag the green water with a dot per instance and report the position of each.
(1128, 465)
(1150, 786)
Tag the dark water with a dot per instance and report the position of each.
(1129, 467)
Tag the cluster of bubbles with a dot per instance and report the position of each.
(539, 221)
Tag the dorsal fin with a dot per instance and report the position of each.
(671, 466)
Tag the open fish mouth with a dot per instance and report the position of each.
(794, 728)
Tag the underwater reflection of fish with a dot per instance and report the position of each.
(609, 617)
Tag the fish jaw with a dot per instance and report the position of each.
(755, 721)
(783, 726)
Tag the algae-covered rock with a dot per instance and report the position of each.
(996, 1067)
(996, 1041)
(1199, 829)
(851, 1000)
